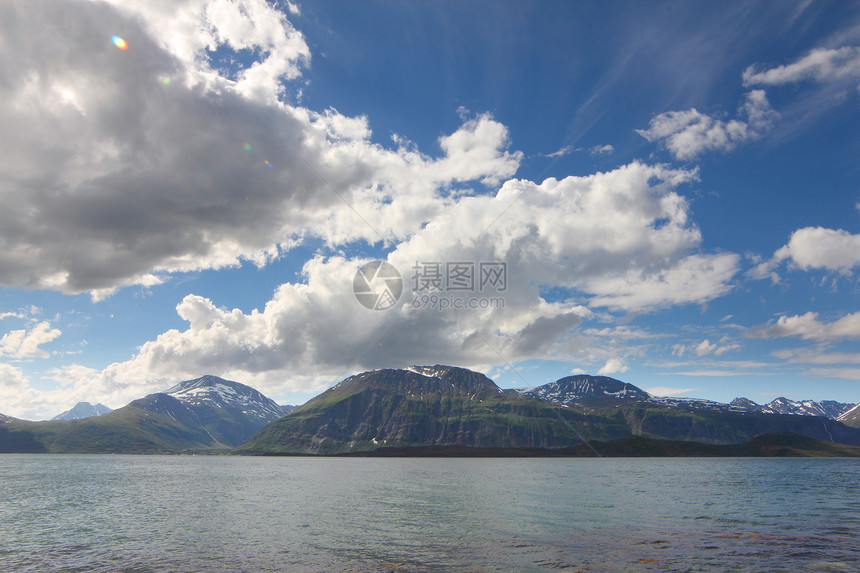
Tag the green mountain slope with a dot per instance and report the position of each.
(157, 423)
(724, 427)
(425, 406)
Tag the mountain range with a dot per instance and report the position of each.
(596, 391)
(432, 409)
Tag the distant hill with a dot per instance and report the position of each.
(83, 410)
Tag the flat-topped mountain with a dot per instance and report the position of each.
(424, 406)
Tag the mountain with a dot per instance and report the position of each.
(231, 412)
(744, 404)
(826, 408)
(83, 410)
(425, 406)
(851, 417)
(587, 390)
(203, 415)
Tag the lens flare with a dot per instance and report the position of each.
(120, 43)
(165, 80)
(269, 165)
(247, 147)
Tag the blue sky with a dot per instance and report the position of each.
(673, 189)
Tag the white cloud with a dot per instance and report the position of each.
(813, 248)
(687, 134)
(561, 152)
(845, 373)
(705, 372)
(816, 356)
(14, 387)
(668, 390)
(25, 343)
(820, 65)
(602, 150)
(693, 279)
(707, 347)
(808, 327)
(817, 247)
(613, 366)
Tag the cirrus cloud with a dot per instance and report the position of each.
(820, 65)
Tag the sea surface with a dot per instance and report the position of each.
(213, 514)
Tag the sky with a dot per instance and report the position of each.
(667, 193)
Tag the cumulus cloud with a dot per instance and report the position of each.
(613, 366)
(131, 164)
(818, 247)
(25, 343)
(814, 248)
(577, 232)
(687, 134)
(820, 65)
(809, 327)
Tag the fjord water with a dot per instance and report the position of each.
(223, 514)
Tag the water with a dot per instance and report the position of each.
(141, 514)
